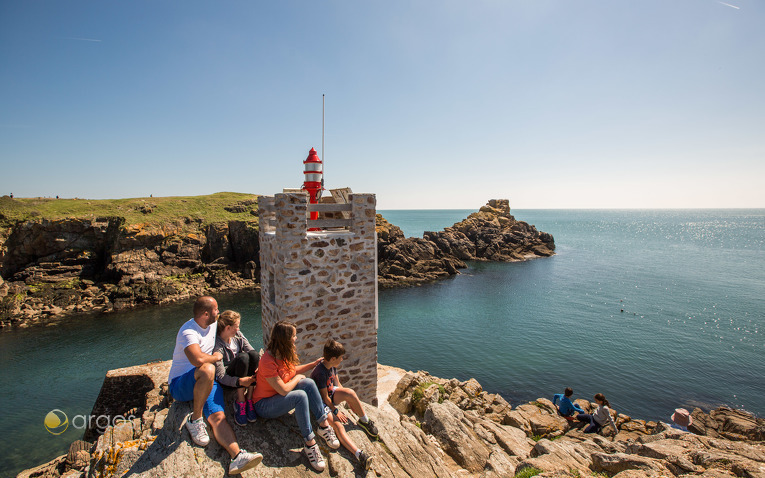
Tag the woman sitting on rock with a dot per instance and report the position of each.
(282, 387)
(238, 367)
(598, 419)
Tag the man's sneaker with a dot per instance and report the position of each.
(329, 436)
(369, 427)
(251, 415)
(314, 456)
(243, 462)
(365, 460)
(198, 431)
(240, 414)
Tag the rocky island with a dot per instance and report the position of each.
(429, 427)
(60, 257)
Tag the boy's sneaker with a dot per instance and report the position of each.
(198, 431)
(370, 428)
(365, 460)
(314, 456)
(251, 415)
(240, 414)
(329, 436)
(243, 462)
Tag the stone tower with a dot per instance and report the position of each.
(324, 281)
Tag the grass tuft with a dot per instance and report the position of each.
(419, 392)
(528, 472)
(218, 207)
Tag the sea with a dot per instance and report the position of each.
(656, 309)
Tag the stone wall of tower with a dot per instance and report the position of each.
(325, 282)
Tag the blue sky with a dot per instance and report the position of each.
(429, 104)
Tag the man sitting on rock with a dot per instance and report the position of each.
(192, 377)
(567, 408)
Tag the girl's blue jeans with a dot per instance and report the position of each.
(304, 399)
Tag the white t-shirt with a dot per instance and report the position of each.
(191, 333)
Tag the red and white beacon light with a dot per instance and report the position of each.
(314, 180)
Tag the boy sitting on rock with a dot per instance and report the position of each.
(567, 408)
(333, 394)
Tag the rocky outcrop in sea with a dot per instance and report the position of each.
(53, 269)
(491, 234)
(429, 427)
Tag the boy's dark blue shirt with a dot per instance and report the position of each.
(324, 378)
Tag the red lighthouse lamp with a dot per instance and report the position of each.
(314, 181)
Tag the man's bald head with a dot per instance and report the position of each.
(205, 304)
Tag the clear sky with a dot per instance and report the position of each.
(429, 103)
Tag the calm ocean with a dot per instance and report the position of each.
(656, 309)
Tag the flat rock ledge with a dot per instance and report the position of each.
(429, 427)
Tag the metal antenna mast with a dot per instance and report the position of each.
(322, 140)
(322, 127)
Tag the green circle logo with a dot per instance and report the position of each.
(56, 422)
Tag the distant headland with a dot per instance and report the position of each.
(60, 257)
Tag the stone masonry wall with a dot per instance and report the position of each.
(325, 282)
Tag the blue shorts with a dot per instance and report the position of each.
(182, 389)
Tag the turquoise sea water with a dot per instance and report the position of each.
(656, 309)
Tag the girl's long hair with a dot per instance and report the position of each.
(602, 398)
(280, 344)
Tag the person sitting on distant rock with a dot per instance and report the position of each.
(192, 378)
(238, 366)
(333, 394)
(281, 387)
(601, 416)
(566, 408)
(681, 419)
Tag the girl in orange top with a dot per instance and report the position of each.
(281, 386)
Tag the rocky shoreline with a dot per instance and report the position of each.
(429, 426)
(53, 269)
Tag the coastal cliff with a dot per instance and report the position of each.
(64, 257)
(429, 426)
(122, 254)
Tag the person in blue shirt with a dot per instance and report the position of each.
(567, 408)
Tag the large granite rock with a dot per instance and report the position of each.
(428, 427)
(491, 234)
(728, 423)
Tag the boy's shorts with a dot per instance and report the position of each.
(182, 389)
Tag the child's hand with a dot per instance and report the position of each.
(341, 416)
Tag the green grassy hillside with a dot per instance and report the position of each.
(216, 207)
